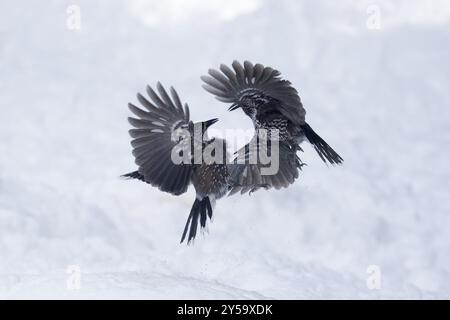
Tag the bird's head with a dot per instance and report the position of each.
(247, 106)
(235, 106)
(206, 124)
(201, 126)
(198, 129)
(249, 103)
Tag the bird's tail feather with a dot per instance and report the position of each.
(325, 152)
(201, 210)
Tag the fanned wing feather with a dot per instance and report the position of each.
(246, 171)
(232, 85)
(152, 139)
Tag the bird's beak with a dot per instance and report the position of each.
(234, 106)
(210, 122)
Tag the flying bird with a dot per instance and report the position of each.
(163, 131)
(272, 103)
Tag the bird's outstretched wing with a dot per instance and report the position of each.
(255, 82)
(154, 139)
(249, 172)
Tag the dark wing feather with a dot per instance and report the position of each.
(232, 85)
(246, 172)
(152, 139)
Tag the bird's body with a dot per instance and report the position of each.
(275, 121)
(169, 150)
(211, 179)
(275, 106)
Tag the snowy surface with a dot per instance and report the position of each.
(380, 97)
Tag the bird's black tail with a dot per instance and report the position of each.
(201, 209)
(323, 149)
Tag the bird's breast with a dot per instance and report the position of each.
(211, 179)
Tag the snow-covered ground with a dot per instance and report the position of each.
(374, 77)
